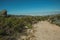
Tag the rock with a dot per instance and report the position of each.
(23, 37)
(3, 13)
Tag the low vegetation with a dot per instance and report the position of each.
(12, 25)
(55, 19)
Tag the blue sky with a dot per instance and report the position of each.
(30, 7)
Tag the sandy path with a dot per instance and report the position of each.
(46, 31)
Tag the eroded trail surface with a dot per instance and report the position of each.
(46, 31)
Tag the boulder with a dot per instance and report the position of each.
(3, 13)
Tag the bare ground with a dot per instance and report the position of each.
(46, 31)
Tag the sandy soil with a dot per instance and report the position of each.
(46, 31)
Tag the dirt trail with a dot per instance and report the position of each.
(46, 31)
